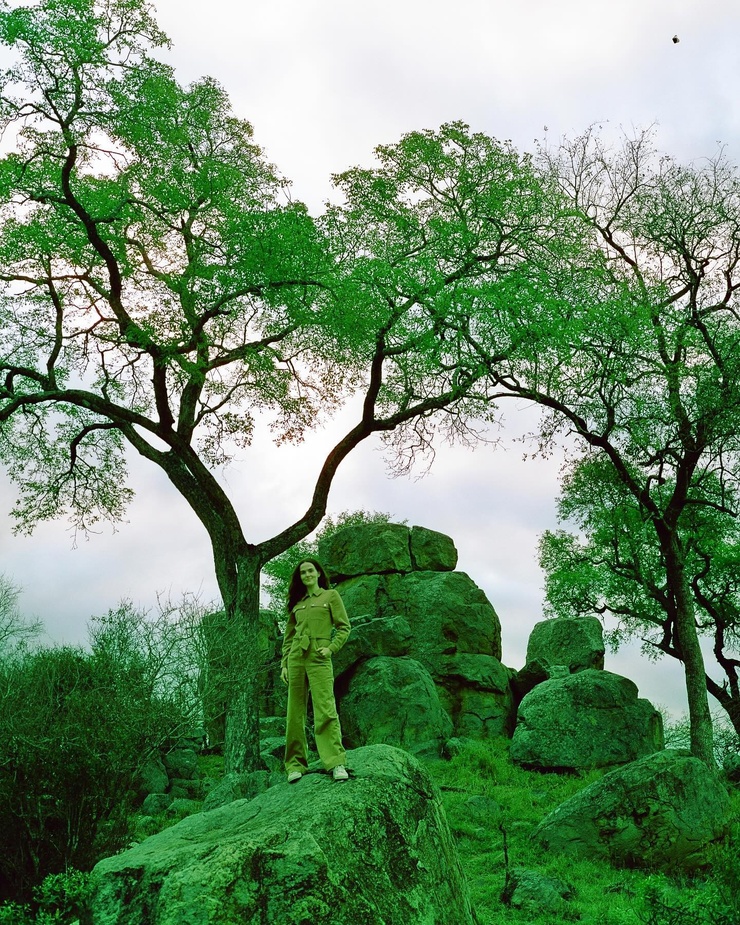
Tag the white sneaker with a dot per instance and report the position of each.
(340, 772)
(293, 776)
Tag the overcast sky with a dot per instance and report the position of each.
(323, 83)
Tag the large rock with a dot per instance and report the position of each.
(432, 551)
(153, 777)
(394, 700)
(374, 850)
(475, 690)
(574, 642)
(455, 635)
(447, 612)
(378, 549)
(661, 811)
(366, 549)
(592, 719)
(371, 637)
(182, 763)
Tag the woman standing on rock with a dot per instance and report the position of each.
(315, 613)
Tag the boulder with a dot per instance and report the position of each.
(272, 745)
(181, 763)
(534, 892)
(447, 612)
(394, 700)
(375, 849)
(191, 789)
(575, 642)
(372, 637)
(592, 719)
(432, 551)
(659, 812)
(182, 806)
(156, 803)
(238, 787)
(475, 691)
(153, 777)
(366, 549)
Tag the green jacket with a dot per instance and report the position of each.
(316, 618)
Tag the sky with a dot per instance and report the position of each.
(323, 83)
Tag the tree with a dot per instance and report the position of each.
(640, 361)
(162, 291)
(14, 628)
(614, 566)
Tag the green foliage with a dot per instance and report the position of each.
(614, 565)
(494, 834)
(61, 897)
(15, 914)
(277, 571)
(75, 728)
(500, 838)
(709, 898)
(644, 372)
(58, 900)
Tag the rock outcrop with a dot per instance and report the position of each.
(577, 643)
(592, 719)
(382, 548)
(372, 637)
(375, 849)
(661, 811)
(404, 599)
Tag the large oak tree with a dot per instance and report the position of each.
(162, 292)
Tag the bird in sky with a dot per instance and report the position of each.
(675, 40)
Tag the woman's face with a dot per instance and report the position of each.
(309, 574)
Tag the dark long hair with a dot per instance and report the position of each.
(296, 588)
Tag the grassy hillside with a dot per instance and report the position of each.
(493, 807)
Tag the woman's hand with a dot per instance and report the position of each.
(324, 651)
(284, 675)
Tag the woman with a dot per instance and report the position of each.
(314, 611)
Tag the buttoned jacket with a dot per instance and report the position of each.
(319, 619)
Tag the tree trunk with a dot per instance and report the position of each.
(729, 703)
(700, 719)
(246, 664)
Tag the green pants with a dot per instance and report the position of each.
(309, 671)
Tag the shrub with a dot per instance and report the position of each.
(75, 728)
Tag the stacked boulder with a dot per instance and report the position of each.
(423, 661)
(572, 713)
(169, 780)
